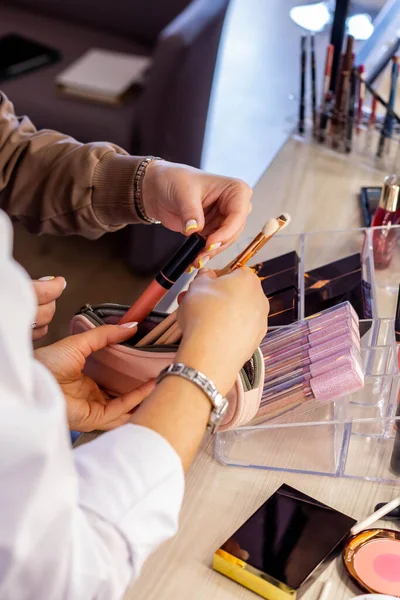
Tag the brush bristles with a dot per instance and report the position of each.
(273, 225)
(270, 227)
(286, 218)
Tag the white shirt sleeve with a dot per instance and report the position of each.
(73, 524)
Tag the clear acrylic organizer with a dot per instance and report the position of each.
(353, 436)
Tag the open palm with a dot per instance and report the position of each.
(88, 407)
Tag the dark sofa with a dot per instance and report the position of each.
(168, 118)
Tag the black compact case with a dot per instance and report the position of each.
(283, 544)
(338, 282)
(279, 280)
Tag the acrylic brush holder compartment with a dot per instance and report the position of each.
(354, 435)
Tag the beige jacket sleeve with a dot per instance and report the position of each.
(53, 184)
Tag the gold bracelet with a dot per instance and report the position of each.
(137, 190)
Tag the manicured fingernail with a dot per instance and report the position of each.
(214, 246)
(190, 270)
(192, 224)
(203, 261)
(129, 325)
(65, 284)
(203, 271)
(47, 278)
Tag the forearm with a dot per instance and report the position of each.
(54, 184)
(177, 409)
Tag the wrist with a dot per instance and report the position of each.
(185, 395)
(209, 362)
(150, 186)
(145, 209)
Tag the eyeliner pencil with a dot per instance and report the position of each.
(351, 111)
(326, 96)
(361, 91)
(313, 83)
(387, 127)
(303, 82)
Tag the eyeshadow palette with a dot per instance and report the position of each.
(337, 282)
(279, 273)
(283, 545)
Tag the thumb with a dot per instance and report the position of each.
(100, 337)
(192, 215)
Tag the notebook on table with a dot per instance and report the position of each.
(103, 75)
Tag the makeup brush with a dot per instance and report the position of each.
(350, 115)
(379, 98)
(173, 334)
(156, 333)
(268, 231)
(313, 83)
(376, 516)
(326, 93)
(303, 67)
(393, 515)
(387, 127)
(361, 93)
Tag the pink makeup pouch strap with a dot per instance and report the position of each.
(121, 368)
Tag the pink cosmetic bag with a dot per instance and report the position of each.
(122, 368)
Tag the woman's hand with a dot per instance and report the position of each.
(47, 290)
(223, 320)
(188, 200)
(89, 408)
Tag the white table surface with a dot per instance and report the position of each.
(319, 189)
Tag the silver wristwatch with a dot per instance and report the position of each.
(218, 402)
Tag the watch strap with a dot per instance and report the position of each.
(218, 401)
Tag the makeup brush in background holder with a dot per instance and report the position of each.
(353, 117)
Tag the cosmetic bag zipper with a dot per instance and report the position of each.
(111, 309)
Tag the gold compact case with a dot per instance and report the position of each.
(282, 546)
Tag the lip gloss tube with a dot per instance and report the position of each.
(165, 279)
(387, 214)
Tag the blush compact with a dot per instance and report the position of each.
(372, 559)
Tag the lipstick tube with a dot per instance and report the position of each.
(165, 279)
(387, 214)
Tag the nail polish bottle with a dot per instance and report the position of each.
(387, 214)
